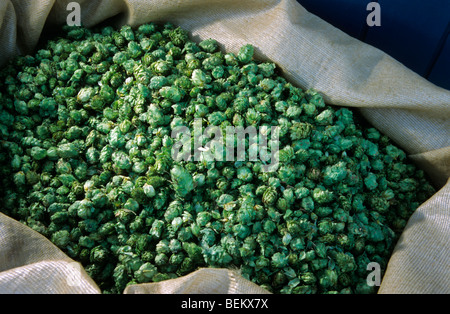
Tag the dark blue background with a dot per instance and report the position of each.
(415, 32)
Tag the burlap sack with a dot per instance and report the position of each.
(312, 54)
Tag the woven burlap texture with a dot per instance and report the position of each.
(311, 54)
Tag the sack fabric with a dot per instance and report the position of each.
(311, 54)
